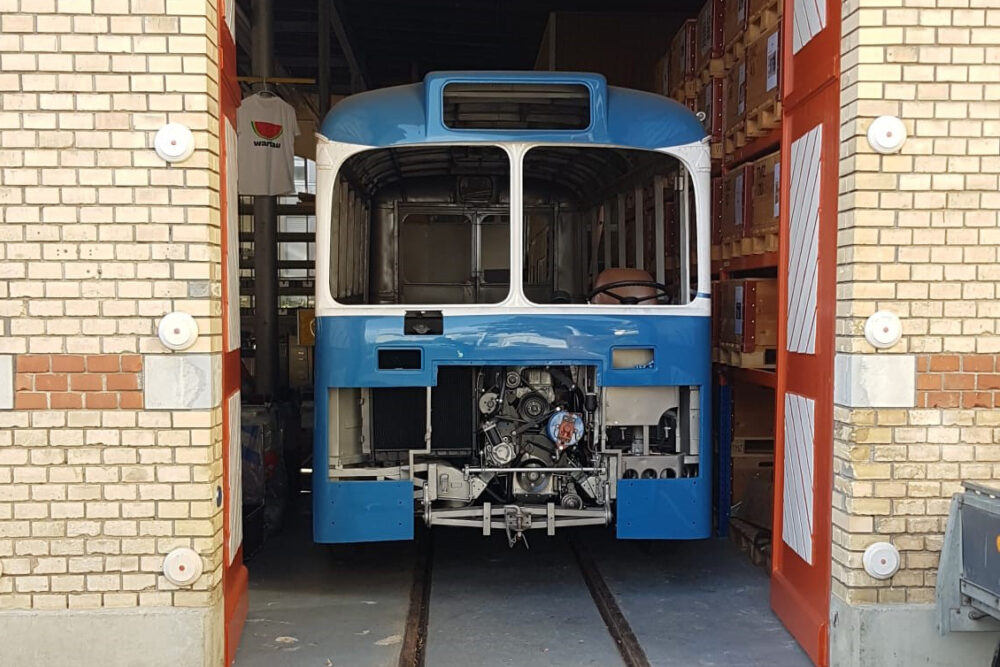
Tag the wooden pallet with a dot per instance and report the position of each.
(717, 149)
(715, 69)
(764, 243)
(762, 20)
(762, 120)
(749, 245)
(762, 357)
(765, 234)
(735, 137)
(685, 91)
(734, 52)
(690, 88)
(752, 540)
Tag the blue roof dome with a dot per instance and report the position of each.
(413, 114)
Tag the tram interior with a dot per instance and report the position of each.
(432, 225)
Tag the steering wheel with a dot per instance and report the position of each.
(661, 291)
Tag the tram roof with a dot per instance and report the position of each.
(414, 114)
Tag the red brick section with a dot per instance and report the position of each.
(958, 381)
(76, 382)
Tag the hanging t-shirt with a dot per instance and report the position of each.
(266, 129)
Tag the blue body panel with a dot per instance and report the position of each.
(664, 509)
(349, 347)
(364, 512)
(652, 509)
(412, 114)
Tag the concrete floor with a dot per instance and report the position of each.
(693, 603)
(326, 606)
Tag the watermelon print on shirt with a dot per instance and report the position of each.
(266, 129)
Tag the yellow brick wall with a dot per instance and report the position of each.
(98, 239)
(919, 236)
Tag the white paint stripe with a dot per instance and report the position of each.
(797, 507)
(795, 232)
(808, 19)
(235, 481)
(811, 276)
(232, 249)
(806, 263)
(803, 253)
(790, 529)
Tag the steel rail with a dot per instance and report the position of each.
(618, 626)
(414, 646)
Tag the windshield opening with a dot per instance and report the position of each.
(422, 225)
(606, 226)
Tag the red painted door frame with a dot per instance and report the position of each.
(234, 580)
(800, 591)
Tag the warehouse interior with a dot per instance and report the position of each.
(720, 60)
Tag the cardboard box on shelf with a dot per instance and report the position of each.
(679, 63)
(766, 197)
(748, 322)
(734, 22)
(763, 75)
(736, 211)
(735, 96)
(709, 40)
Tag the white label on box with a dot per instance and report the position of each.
(738, 314)
(772, 62)
(738, 197)
(776, 189)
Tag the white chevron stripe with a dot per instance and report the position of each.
(797, 507)
(235, 481)
(803, 242)
(809, 18)
(232, 242)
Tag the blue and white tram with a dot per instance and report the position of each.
(512, 309)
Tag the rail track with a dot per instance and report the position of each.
(413, 651)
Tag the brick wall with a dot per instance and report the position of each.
(958, 381)
(918, 236)
(98, 239)
(74, 381)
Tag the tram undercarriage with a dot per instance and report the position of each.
(516, 448)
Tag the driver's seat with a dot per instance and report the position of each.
(608, 276)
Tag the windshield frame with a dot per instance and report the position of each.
(693, 157)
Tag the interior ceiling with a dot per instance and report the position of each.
(585, 172)
(398, 41)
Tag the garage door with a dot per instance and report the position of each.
(800, 591)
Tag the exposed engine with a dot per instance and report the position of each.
(538, 421)
(514, 448)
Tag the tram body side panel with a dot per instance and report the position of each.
(347, 358)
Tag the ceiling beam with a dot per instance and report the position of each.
(312, 62)
(244, 33)
(358, 79)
